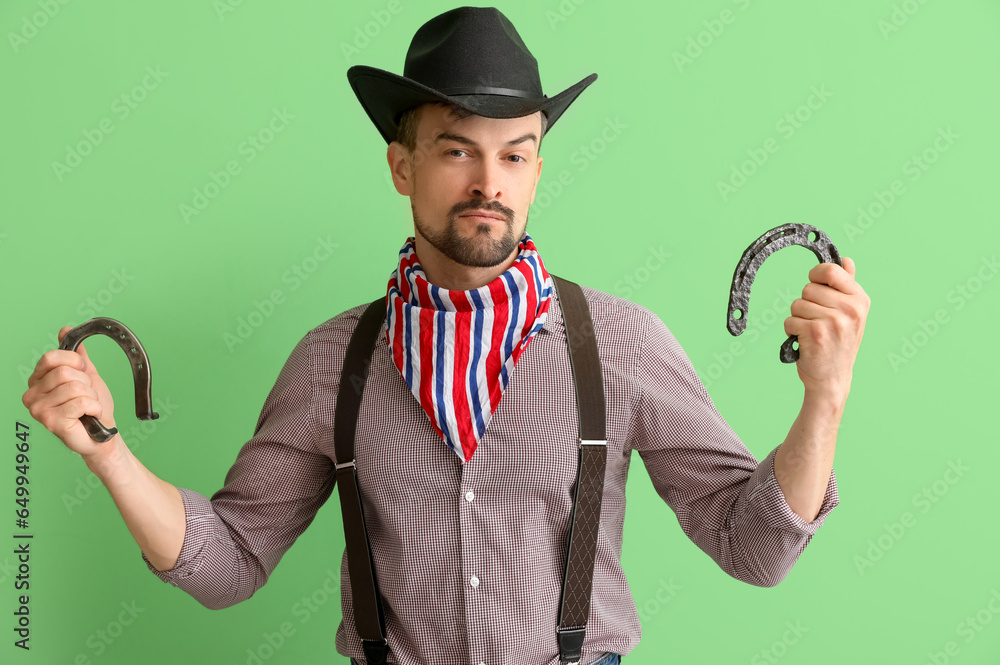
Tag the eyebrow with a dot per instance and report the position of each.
(458, 138)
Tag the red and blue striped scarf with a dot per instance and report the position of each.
(456, 349)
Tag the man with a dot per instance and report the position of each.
(467, 496)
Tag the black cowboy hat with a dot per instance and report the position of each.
(471, 57)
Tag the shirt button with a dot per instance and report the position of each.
(469, 496)
(474, 581)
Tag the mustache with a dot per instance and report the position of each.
(492, 206)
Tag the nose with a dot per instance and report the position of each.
(486, 182)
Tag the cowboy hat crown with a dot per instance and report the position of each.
(472, 57)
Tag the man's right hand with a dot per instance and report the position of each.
(65, 386)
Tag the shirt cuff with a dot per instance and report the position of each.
(766, 496)
(199, 520)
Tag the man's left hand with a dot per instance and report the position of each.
(829, 320)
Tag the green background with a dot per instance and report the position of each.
(895, 77)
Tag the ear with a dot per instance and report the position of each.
(399, 166)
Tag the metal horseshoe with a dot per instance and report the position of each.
(777, 238)
(126, 339)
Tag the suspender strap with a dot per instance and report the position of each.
(368, 615)
(585, 519)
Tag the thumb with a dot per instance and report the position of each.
(849, 266)
(87, 365)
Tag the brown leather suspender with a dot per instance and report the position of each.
(368, 615)
(585, 519)
(574, 603)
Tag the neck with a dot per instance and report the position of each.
(442, 272)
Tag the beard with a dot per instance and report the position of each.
(480, 251)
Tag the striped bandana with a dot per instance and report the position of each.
(457, 349)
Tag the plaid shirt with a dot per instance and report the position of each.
(470, 558)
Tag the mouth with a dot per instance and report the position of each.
(484, 215)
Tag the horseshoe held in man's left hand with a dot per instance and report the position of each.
(777, 238)
(137, 357)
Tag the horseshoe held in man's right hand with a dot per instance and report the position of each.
(777, 238)
(129, 343)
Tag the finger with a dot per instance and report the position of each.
(67, 393)
(834, 276)
(805, 309)
(69, 400)
(849, 266)
(795, 325)
(81, 351)
(824, 295)
(55, 358)
(60, 375)
(67, 415)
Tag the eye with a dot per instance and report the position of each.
(518, 157)
(454, 150)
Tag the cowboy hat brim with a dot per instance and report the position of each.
(385, 96)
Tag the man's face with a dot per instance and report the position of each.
(470, 182)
